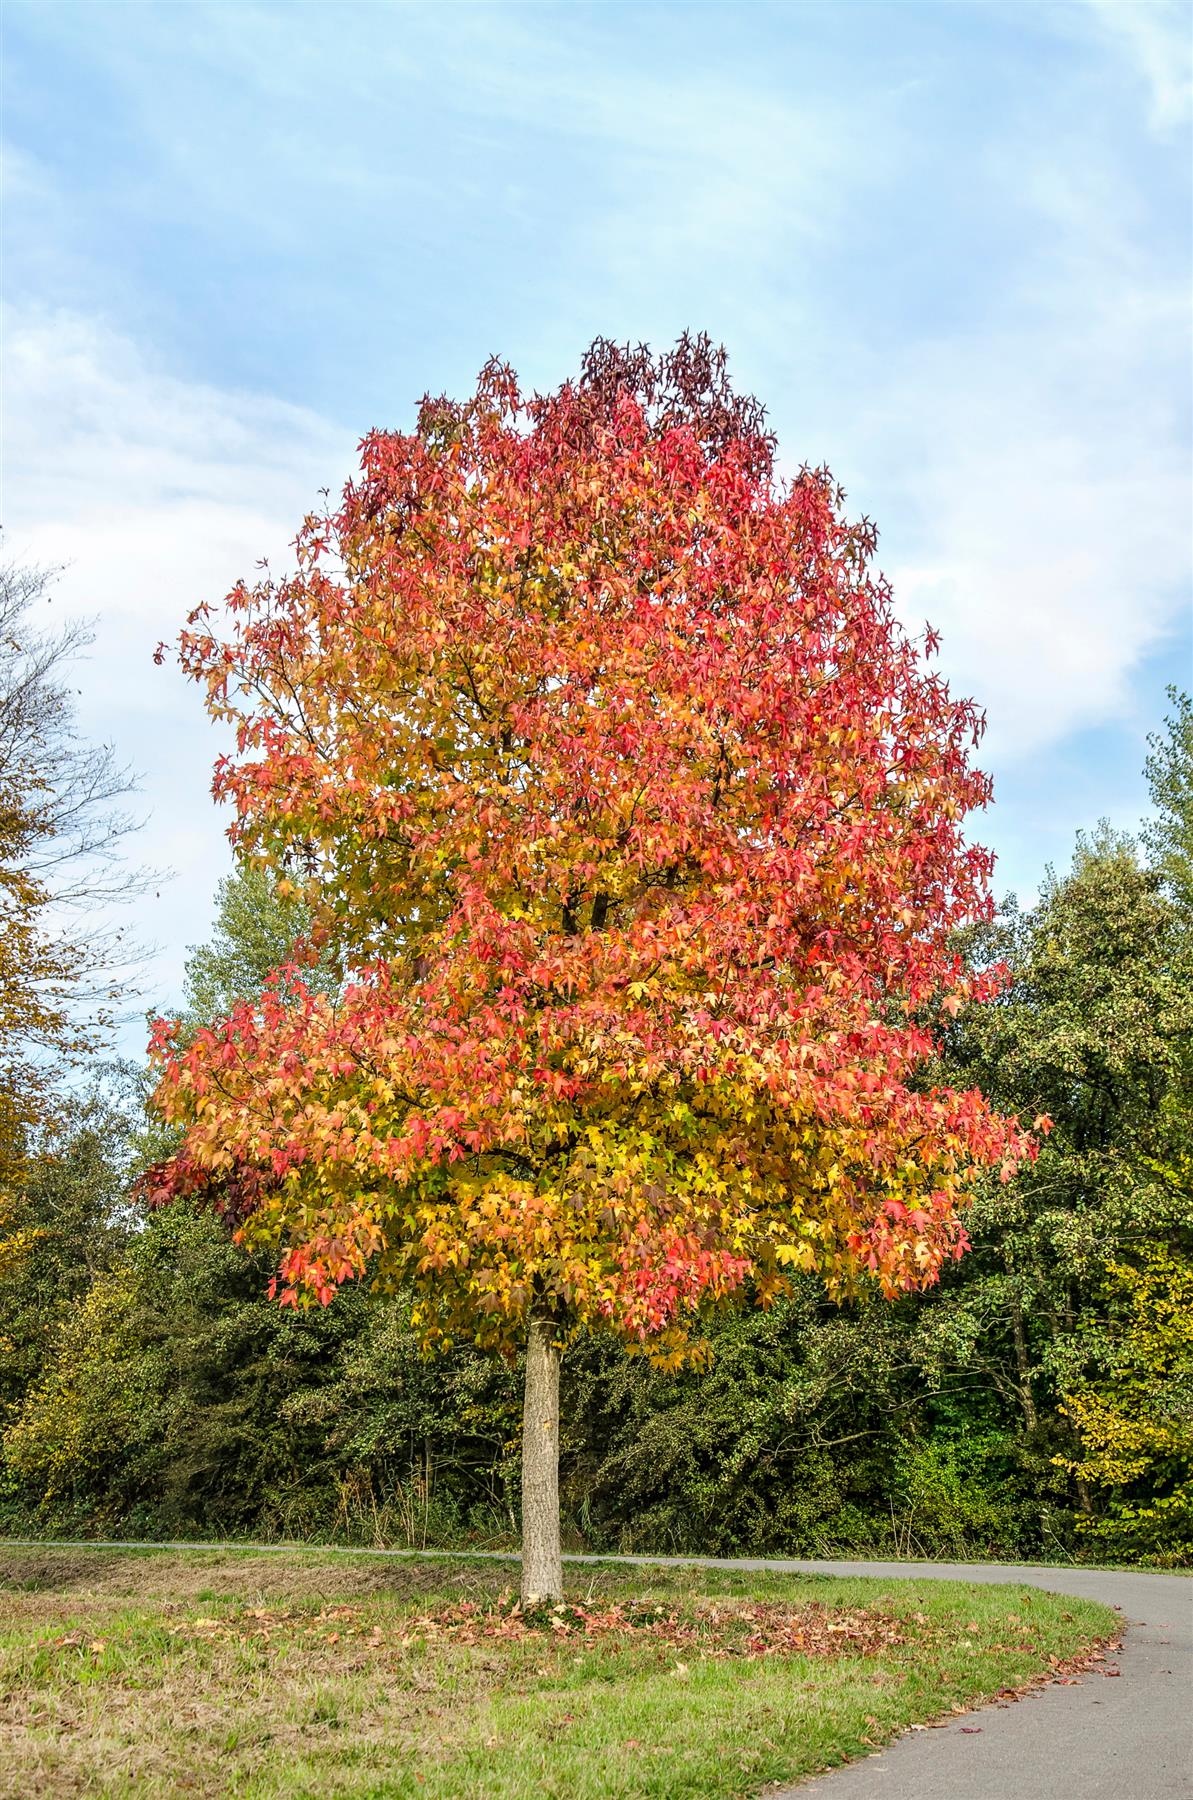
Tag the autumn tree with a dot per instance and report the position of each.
(595, 751)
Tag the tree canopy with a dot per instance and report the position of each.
(596, 751)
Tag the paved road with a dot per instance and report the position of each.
(1130, 1738)
(1124, 1739)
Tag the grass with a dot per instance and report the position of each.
(140, 1673)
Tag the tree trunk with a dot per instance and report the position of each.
(1023, 1366)
(542, 1565)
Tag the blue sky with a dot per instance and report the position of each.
(948, 244)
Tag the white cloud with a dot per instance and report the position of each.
(1052, 555)
(1030, 468)
(1157, 38)
(156, 493)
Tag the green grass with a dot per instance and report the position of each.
(140, 1673)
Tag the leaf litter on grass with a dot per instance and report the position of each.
(1059, 1671)
(712, 1629)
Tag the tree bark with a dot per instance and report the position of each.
(1027, 1399)
(542, 1563)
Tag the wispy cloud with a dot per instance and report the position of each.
(155, 493)
(1034, 486)
(1157, 38)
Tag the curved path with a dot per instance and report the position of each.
(1127, 1738)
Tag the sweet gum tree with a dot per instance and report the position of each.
(635, 821)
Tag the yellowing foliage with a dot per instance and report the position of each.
(1136, 1427)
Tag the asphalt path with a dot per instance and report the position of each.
(1127, 1737)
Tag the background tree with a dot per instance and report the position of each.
(603, 765)
(1135, 1418)
(62, 832)
(1131, 1404)
(1168, 835)
(257, 932)
(1096, 1029)
(71, 1209)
